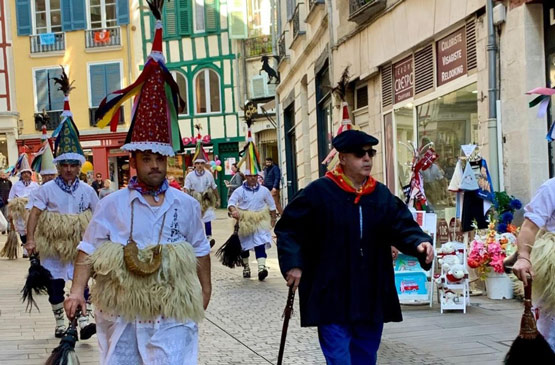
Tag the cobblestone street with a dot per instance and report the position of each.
(243, 324)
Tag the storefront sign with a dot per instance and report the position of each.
(451, 57)
(403, 79)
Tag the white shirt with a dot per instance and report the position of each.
(200, 184)
(52, 198)
(19, 190)
(541, 209)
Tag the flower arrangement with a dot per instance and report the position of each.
(505, 207)
(488, 251)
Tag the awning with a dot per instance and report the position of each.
(267, 136)
(269, 105)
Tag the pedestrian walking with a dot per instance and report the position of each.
(60, 213)
(145, 244)
(252, 205)
(334, 242)
(236, 180)
(19, 197)
(98, 183)
(272, 179)
(106, 189)
(5, 187)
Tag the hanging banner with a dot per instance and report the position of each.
(403, 79)
(451, 57)
(102, 36)
(47, 39)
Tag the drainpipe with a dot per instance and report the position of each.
(331, 41)
(492, 99)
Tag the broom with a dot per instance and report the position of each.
(65, 354)
(530, 347)
(230, 252)
(11, 247)
(37, 280)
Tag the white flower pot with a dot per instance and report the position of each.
(499, 286)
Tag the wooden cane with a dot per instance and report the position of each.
(286, 316)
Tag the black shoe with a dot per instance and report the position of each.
(212, 242)
(86, 332)
(262, 274)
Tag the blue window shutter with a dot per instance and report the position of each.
(98, 84)
(113, 78)
(41, 84)
(66, 15)
(123, 12)
(23, 14)
(56, 95)
(78, 15)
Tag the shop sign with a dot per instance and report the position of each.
(403, 79)
(451, 57)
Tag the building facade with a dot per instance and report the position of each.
(198, 51)
(92, 40)
(419, 73)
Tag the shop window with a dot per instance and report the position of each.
(404, 130)
(48, 16)
(102, 14)
(103, 79)
(448, 122)
(181, 81)
(207, 92)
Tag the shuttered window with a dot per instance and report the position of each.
(237, 19)
(424, 69)
(471, 44)
(104, 79)
(23, 17)
(122, 12)
(170, 20)
(74, 15)
(212, 15)
(184, 11)
(387, 86)
(48, 97)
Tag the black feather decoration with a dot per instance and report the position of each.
(340, 90)
(156, 8)
(37, 280)
(65, 85)
(230, 252)
(65, 354)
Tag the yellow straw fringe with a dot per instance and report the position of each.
(543, 262)
(250, 222)
(173, 291)
(58, 235)
(207, 200)
(16, 208)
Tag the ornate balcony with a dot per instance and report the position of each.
(362, 10)
(47, 42)
(281, 47)
(104, 37)
(297, 23)
(258, 46)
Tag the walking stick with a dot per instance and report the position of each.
(286, 316)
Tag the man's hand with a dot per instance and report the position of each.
(235, 214)
(426, 248)
(73, 302)
(30, 246)
(293, 277)
(274, 191)
(523, 269)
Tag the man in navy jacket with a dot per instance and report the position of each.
(272, 177)
(334, 242)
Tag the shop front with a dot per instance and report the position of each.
(430, 97)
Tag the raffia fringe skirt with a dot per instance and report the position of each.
(543, 263)
(173, 291)
(250, 222)
(16, 208)
(58, 235)
(207, 200)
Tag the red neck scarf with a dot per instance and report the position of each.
(338, 176)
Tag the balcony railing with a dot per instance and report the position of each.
(281, 47)
(103, 37)
(361, 10)
(47, 42)
(92, 120)
(297, 22)
(52, 120)
(258, 46)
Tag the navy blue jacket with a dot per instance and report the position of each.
(347, 275)
(272, 176)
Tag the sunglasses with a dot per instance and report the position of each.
(360, 153)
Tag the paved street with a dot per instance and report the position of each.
(243, 324)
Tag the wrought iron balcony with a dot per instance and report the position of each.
(103, 37)
(281, 47)
(362, 10)
(47, 42)
(50, 118)
(258, 46)
(297, 23)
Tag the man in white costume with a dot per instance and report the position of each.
(60, 212)
(145, 245)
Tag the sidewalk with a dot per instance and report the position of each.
(243, 324)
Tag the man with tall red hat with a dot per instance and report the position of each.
(145, 244)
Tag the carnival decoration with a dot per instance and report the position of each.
(38, 280)
(543, 99)
(422, 159)
(65, 354)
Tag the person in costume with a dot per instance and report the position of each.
(145, 245)
(19, 197)
(201, 185)
(253, 206)
(61, 211)
(536, 256)
(334, 244)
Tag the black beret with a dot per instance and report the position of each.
(353, 140)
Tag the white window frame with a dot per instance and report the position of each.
(35, 96)
(89, 84)
(196, 5)
(174, 75)
(48, 18)
(206, 71)
(102, 14)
